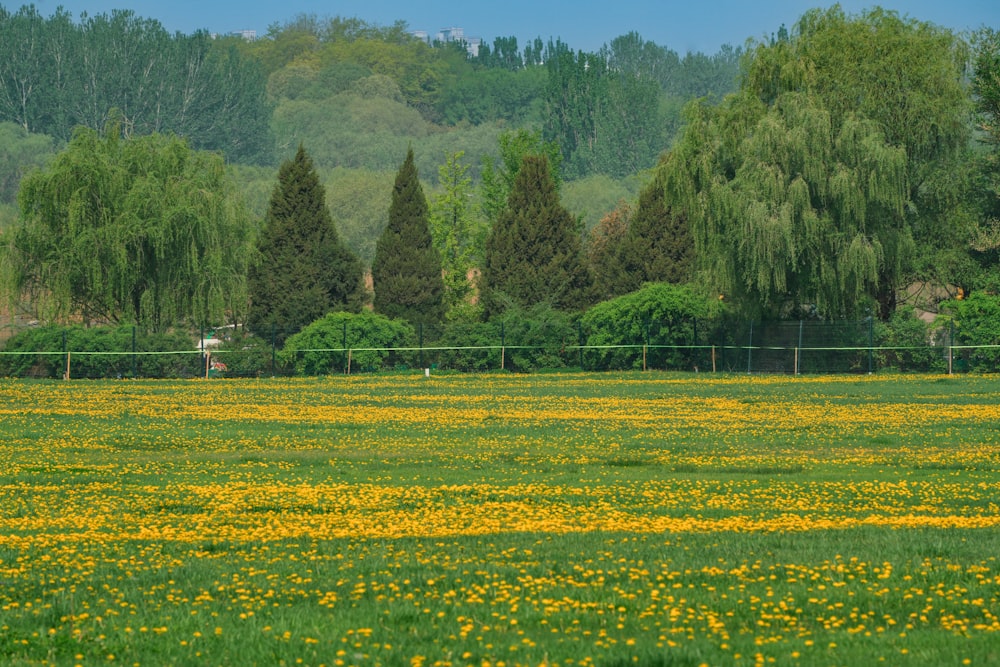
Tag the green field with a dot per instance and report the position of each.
(573, 519)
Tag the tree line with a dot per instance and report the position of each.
(857, 157)
(57, 74)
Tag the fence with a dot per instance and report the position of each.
(718, 346)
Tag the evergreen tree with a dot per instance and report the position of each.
(533, 253)
(406, 271)
(304, 271)
(605, 253)
(658, 246)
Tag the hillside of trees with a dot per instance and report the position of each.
(819, 173)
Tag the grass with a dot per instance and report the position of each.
(633, 519)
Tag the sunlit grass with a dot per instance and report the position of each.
(455, 520)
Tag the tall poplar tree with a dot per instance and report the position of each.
(533, 252)
(406, 272)
(303, 270)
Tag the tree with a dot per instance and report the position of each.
(658, 246)
(406, 272)
(985, 242)
(457, 236)
(533, 253)
(303, 270)
(804, 189)
(140, 230)
(498, 175)
(605, 253)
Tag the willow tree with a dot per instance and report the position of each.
(803, 189)
(143, 230)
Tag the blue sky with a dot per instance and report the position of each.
(583, 24)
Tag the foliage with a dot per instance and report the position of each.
(357, 200)
(605, 253)
(406, 271)
(985, 244)
(499, 174)
(484, 96)
(657, 314)
(303, 271)
(658, 246)
(20, 152)
(912, 338)
(474, 346)
(139, 230)
(55, 340)
(457, 235)
(590, 199)
(536, 338)
(815, 166)
(533, 252)
(56, 74)
(604, 117)
(977, 323)
(326, 345)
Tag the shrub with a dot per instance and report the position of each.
(468, 334)
(115, 341)
(911, 338)
(659, 314)
(977, 322)
(321, 347)
(536, 338)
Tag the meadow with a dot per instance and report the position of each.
(565, 519)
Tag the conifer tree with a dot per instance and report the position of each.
(304, 270)
(533, 252)
(406, 272)
(605, 253)
(658, 246)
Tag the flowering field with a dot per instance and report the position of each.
(630, 519)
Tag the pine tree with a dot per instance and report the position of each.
(304, 270)
(658, 246)
(533, 253)
(605, 253)
(406, 272)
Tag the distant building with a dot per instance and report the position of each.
(448, 35)
(249, 35)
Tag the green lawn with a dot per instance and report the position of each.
(569, 519)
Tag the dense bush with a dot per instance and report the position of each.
(320, 348)
(536, 338)
(977, 322)
(907, 340)
(99, 352)
(659, 315)
(468, 338)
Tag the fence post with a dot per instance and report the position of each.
(695, 350)
(134, 371)
(420, 341)
(579, 335)
(798, 350)
(347, 357)
(645, 344)
(871, 344)
(274, 345)
(951, 346)
(503, 344)
(65, 354)
(750, 348)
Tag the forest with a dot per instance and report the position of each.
(845, 167)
